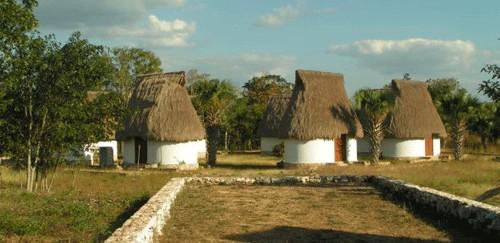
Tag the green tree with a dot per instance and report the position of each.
(491, 88)
(129, 63)
(457, 108)
(260, 89)
(16, 22)
(212, 99)
(483, 122)
(247, 112)
(439, 89)
(49, 96)
(373, 106)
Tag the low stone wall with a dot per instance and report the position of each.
(285, 180)
(149, 220)
(479, 216)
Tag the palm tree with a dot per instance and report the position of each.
(458, 107)
(211, 99)
(372, 107)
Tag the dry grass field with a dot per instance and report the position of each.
(295, 214)
(86, 211)
(87, 206)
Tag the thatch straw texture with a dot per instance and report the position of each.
(162, 110)
(414, 114)
(269, 126)
(319, 108)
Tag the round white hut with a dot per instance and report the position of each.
(164, 128)
(319, 125)
(414, 126)
(270, 124)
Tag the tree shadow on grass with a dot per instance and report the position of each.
(298, 234)
(118, 222)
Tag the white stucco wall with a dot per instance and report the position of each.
(352, 150)
(128, 152)
(202, 148)
(267, 144)
(318, 151)
(168, 153)
(397, 147)
(436, 146)
(94, 148)
(363, 145)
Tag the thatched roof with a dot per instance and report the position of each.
(270, 124)
(162, 110)
(319, 108)
(414, 114)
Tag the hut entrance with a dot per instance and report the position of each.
(141, 150)
(340, 148)
(428, 146)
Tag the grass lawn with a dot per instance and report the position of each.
(298, 214)
(99, 202)
(90, 211)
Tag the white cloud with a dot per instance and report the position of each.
(157, 32)
(281, 15)
(416, 56)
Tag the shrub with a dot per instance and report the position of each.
(279, 149)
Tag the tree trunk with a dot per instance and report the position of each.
(375, 133)
(484, 143)
(226, 141)
(458, 137)
(213, 140)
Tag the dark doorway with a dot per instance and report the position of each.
(340, 148)
(428, 146)
(141, 150)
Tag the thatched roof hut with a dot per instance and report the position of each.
(162, 110)
(319, 108)
(269, 126)
(414, 115)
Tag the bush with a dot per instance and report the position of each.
(279, 149)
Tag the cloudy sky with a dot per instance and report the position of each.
(370, 42)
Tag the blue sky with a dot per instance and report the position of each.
(370, 42)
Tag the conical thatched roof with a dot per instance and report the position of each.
(414, 114)
(162, 110)
(270, 124)
(319, 108)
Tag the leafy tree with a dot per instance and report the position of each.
(129, 63)
(484, 122)
(248, 110)
(457, 108)
(491, 88)
(49, 94)
(406, 76)
(212, 99)
(439, 89)
(372, 107)
(16, 21)
(260, 89)
(242, 123)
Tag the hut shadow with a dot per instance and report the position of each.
(348, 116)
(118, 222)
(299, 234)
